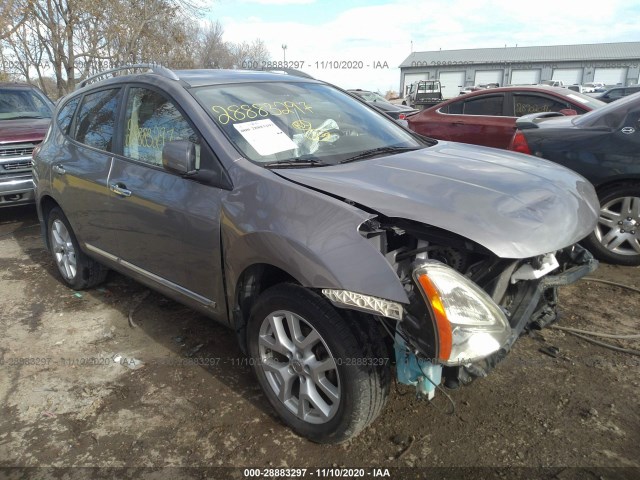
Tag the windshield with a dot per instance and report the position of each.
(295, 123)
(611, 115)
(22, 103)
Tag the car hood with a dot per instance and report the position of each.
(402, 108)
(514, 205)
(23, 130)
(390, 107)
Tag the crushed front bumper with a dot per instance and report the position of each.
(535, 306)
(526, 303)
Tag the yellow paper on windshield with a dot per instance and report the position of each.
(265, 136)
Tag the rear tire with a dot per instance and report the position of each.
(616, 238)
(76, 269)
(326, 378)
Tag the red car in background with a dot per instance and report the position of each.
(488, 117)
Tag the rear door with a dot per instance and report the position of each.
(478, 120)
(525, 103)
(80, 171)
(167, 225)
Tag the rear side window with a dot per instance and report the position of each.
(526, 104)
(97, 118)
(484, 106)
(65, 115)
(455, 108)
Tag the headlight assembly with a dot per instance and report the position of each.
(469, 324)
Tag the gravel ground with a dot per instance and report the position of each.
(66, 403)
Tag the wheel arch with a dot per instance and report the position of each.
(257, 278)
(622, 181)
(45, 205)
(253, 280)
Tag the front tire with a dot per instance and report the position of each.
(325, 378)
(77, 270)
(616, 238)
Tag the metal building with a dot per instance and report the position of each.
(610, 63)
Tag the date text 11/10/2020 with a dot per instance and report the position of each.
(318, 64)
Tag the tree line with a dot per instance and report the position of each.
(57, 43)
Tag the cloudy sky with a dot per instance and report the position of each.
(377, 31)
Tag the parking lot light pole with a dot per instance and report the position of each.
(284, 52)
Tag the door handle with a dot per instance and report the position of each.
(59, 169)
(120, 189)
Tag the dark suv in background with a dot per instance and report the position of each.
(616, 93)
(397, 112)
(25, 114)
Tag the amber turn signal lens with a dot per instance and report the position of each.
(443, 324)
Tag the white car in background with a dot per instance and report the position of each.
(592, 87)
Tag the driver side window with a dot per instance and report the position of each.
(151, 121)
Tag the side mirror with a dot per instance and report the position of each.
(568, 111)
(179, 156)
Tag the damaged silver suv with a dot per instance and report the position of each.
(338, 245)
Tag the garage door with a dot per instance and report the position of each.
(489, 76)
(611, 76)
(570, 76)
(525, 77)
(452, 83)
(409, 78)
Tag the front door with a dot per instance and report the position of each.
(478, 120)
(167, 226)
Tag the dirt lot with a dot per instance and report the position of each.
(159, 410)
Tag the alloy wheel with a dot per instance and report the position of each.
(299, 367)
(618, 228)
(63, 250)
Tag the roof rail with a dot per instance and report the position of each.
(154, 67)
(291, 71)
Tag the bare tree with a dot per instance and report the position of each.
(56, 25)
(249, 55)
(213, 51)
(13, 14)
(28, 56)
(75, 38)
